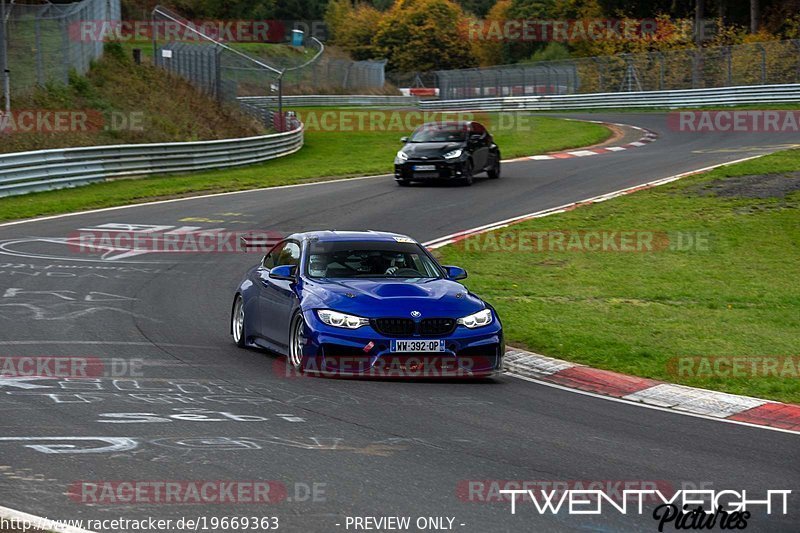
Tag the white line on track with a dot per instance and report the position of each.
(647, 406)
(447, 239)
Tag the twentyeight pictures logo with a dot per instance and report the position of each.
(683, 509)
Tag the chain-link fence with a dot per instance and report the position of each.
(46, 42)
(227, 70)
(772, 62)
(331, 75)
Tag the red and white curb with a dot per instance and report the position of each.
(647, 137)
(701, 402)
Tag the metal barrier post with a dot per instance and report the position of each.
(4, 54)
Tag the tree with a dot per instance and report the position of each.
(490, 51)
(355, 33)
(479, 8)
(337, 14)
(422, 35)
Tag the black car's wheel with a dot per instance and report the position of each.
(296, 342)
(403, 183)
(494, 170)
(237, 321)
(467, 174)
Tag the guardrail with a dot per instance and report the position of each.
(333, 100)
(758, 94)
(42, 170)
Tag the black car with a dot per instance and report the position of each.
(447, 150)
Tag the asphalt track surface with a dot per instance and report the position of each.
(373, 448)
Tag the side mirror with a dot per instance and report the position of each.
(283, 272)
(403, 140)
(455, 273)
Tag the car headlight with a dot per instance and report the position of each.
(476, 320)
(341, 320)
(402, 156)
(453, 154)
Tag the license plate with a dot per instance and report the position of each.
(421, 168)
(417, 345)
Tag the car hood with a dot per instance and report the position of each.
(431, 149)
(373, 298)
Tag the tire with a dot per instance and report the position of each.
(238, 321)
(494, 171)
(295, 358)
(468, 177)
(403, 183)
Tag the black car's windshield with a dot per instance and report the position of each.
(344, 259)
(428, 133)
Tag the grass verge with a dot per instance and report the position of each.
(325, 155)
(737, 295)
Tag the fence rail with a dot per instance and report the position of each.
(42, 170)
(331, 100)
(765, 63)
(758, 94)
(45, 41)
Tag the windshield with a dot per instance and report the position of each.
(439, 133)
(345, 260)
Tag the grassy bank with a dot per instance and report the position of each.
(735, 293)
(326, 154)
(125, 103)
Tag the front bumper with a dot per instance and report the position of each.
(443, 169)
(364, 352)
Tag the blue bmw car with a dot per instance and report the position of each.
(349, 303)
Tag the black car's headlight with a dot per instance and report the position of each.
(402, 156)
(341, 320)
(454, 154)
(476, 320)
